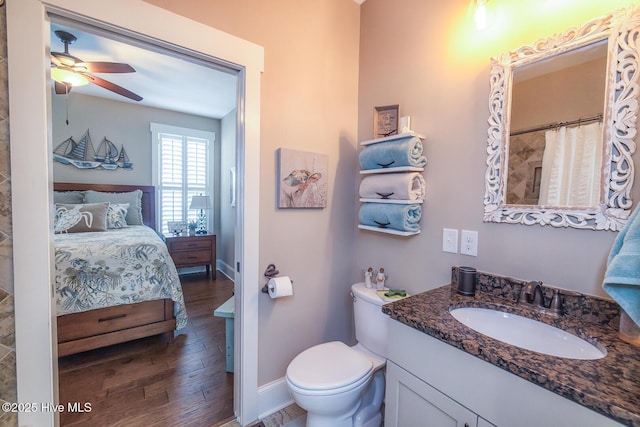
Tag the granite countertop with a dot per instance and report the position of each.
(610, 386)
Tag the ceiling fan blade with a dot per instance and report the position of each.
(114, 88)
(108, 67)
(61, 88)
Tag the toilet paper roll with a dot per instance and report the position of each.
(280, 287)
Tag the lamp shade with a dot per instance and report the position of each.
(69, 77)
(199, 202)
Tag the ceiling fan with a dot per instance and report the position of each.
(68, 71)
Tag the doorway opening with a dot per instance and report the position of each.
(30, 122)
(200, 97)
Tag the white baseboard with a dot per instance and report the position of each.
(225, 269)
(272, 397)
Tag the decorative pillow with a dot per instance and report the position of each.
(68, 197)
(116, 215)
(134, 198)
(76, 218)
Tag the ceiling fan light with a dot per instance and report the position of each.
(68, 77)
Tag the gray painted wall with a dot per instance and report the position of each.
(122, 123)
(225, 239)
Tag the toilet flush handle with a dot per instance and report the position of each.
(353, 296)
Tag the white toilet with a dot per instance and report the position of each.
(342, 386)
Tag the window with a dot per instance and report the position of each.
(183, 168)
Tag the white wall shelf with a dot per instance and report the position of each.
(394, 201)
(401, 169)
(388, 230)
(391, 170)
(391, 138)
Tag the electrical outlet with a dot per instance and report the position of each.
(450, 240)
(469, 243)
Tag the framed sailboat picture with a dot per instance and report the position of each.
(83, 155)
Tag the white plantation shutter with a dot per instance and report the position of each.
(183, 170)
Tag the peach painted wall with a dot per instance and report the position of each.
(327, 64)
(436, 67)
(532, 105)
(309, 103)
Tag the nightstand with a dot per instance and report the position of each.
(193, 251)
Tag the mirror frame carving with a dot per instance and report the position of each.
(621, 29)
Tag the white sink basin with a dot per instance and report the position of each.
(526, 333)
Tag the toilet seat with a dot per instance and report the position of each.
(329, 368)
(378, 362)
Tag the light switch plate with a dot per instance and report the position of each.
(450, 240)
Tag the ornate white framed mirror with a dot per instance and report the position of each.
(562, 124)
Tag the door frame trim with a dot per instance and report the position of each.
(32, 182)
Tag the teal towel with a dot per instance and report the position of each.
(622, 278)
(397, 217)
(393, 154)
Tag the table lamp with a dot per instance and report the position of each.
(200, 202)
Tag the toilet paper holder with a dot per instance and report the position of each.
(270, 272)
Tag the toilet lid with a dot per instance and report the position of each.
(328, 366)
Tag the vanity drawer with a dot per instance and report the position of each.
(101, 321)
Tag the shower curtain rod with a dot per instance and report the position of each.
(559, 124)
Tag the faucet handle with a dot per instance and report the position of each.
(524, 292)
(555, 307)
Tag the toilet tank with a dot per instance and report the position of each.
(370, 322)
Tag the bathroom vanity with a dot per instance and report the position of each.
(438, 369)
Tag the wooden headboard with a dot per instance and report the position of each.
(148, 196)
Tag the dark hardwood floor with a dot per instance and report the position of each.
(149, 383)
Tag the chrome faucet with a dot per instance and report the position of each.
(531, 293)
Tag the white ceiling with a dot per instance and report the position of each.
(162, 81)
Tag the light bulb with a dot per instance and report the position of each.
(480, 15)
(69, 77)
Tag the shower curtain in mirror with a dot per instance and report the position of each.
(571, 166)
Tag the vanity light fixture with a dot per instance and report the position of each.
(480, 14)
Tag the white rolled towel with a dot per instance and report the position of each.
(396, 186)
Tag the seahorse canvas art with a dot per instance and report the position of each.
(302, 179)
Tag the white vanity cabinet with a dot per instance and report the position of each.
(412, 402)
(431, 383)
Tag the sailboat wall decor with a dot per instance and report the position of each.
(107, 154)
(83, 155)
(123, 160)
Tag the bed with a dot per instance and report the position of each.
(116, 284)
